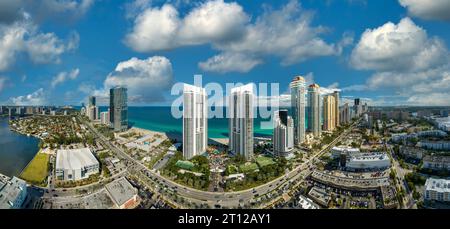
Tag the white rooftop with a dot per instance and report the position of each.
(9, 192)
(307, 203)
(370, 157)
(121, 191)
(438, 185)
(73, 159)
(345, 148)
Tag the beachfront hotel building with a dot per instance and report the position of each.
(195, 121)
(75, 164)
(283, 134)
(118, 107)
(314, 110)
(298, 104)
(241, 121)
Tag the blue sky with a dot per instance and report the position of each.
(392, 52)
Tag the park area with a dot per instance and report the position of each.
(264, 161)
(37, 170)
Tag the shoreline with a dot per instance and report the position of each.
(178, 137)
(38, 152)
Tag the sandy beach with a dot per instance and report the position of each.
(178, 137)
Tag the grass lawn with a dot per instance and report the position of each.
(248, 167)
(37, 169)
(264, 161)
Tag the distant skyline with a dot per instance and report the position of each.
(55, 52)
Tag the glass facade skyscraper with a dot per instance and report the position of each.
(92, 101)
(298, 104)
(118, 105)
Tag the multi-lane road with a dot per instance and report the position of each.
(400, 176)
(224, 199)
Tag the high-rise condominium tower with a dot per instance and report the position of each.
(241, 121)
(92, 113)
(298, 104)
(118, 107)
(92, 101)
(337, 120)
(92, 109)
(195, 123)
(314, 109)
(283, 133)
(358, 108)
(345, 114)
(329, 113)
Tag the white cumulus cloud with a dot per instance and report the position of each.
(226, 62)
(63, 76)
(36, 98)
(24, 37)
(243, 43)
(17, 10)
(428, 9)
(162, 28)
(408, 64)
(403, 46)
(146, 79)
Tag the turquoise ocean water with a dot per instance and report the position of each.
(160, 119)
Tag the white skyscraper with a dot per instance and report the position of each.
(195, 125)
(92, 113)
(104, 118)
(283, 133)
(241, 121)
(298, 104)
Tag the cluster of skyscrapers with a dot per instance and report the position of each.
(117, 115)
(312, 111)
(195, 117)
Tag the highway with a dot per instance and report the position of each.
(400, 176)
(224, 199)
